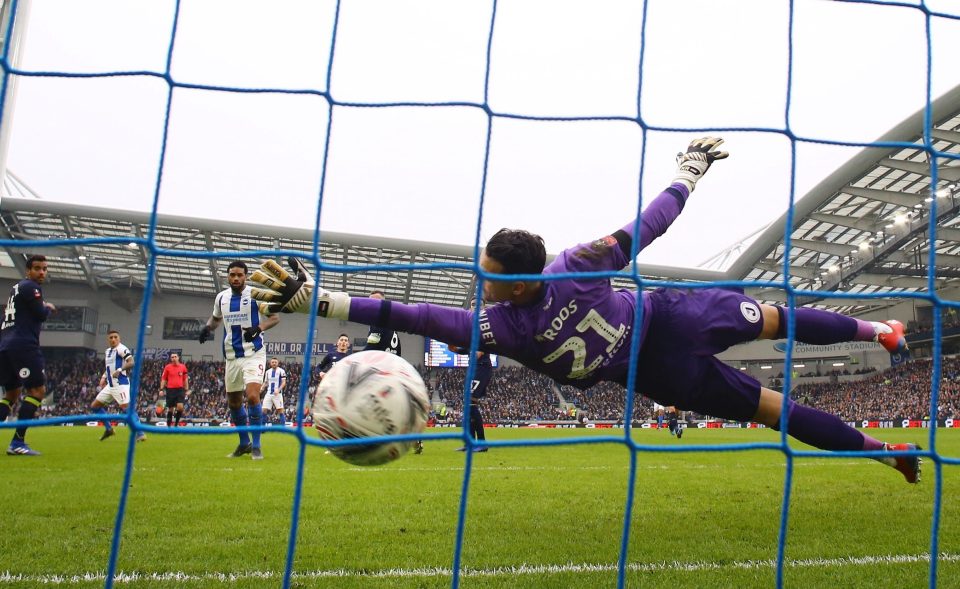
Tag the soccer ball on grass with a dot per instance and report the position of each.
(370, 394)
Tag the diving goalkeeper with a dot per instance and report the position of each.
(578, 331)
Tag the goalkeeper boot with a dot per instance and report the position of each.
(241, 450)
(909, 466)
(890, 335)
(107, 433)
(141, 437)
(418, 447)
(257, 454)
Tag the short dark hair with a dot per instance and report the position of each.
(35, 258)
(377, 291)
(343, 335)
(113, 331)
(518, 251)
(237, 264)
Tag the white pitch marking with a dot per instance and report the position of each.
(122, 577)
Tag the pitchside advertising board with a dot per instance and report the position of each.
(905, 423)
(160, 353)
(298, 348)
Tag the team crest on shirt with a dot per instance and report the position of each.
(750, 311)
(24, 372)
(605, 242)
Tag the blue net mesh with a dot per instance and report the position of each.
(150, 244)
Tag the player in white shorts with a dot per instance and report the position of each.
(243, 349)
(658, 410)
(115, 382)
(274, 381)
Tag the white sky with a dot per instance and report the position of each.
(417, 173)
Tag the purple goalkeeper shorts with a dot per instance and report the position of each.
(676, 364)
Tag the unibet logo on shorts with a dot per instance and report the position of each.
(750, 311)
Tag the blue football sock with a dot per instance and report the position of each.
(239, 417)
(105, 422)
(256, 418)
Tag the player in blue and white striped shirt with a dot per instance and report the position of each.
(115, 381)
(274, 381)
(244, 352)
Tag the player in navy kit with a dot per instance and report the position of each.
(578, 331)
(483, 373)
(386, 340)
(21, 362)
(382, 338)
(342, 351)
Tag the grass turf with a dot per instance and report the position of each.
(547, 516)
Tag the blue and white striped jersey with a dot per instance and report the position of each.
(113, 358)
(238, 312)
(273, 378)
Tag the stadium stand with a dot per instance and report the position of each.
(519, 394)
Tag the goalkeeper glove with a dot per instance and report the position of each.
(693, 164)
(204, 334)
(287, 294)
(251, 333)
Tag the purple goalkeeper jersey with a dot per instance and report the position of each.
(577, 333)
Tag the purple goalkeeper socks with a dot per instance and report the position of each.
(825, 431)
(819, 327)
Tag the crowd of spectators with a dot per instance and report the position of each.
(515, 393)
(899, 392)
(519, 394)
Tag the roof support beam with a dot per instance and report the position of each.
(8, 220)
(945, 135)
(799, 271)
(852, 222)
(212, 262)
(917, 272)
(833, 249)
(412, 258)
(948, 234)
(902, 199)
(84, 263)
(889, 280)
(138, 231)
(950, 173)
(909, 258)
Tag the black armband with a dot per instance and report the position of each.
(677, 195)
(384, 314)
(624, 241)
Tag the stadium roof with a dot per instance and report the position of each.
(864, 229)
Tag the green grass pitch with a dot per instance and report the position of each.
(536, 517)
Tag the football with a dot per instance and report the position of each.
(370, 394)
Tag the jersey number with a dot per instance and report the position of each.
(10, 313)
(578, 347)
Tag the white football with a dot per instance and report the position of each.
(370, 394)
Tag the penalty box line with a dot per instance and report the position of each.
(664, 566)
